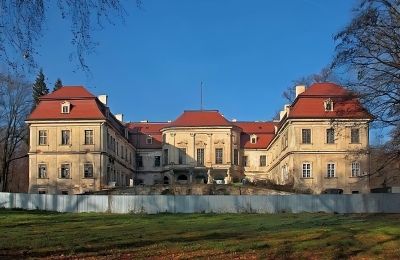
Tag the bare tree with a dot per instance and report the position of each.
(22, 23)
(15, 104)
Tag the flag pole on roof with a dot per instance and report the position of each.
(201, 95)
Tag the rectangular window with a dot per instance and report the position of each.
(88, 170)
(149, 140)
(65, 134)
(41, 191)
(139, 161)
(330, 170)
(65, 171)
(245, 161)
(65, 109)
(306, 170)
(219, 156)
(42, 171)
(200, 156)
(166, 157)
(235, 157)
(355, 169)
(306, 136)
(64, 192)
(355, 135)
(330, 136)
(157, 161)
(89, 137)
(182, 155)
(42, 137)
(263, 160)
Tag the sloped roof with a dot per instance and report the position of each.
(265, 132)
(70, 92)
(200, 118)
(84, 105)
(140, 131)
(310, 104)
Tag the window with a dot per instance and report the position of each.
(355, 135)
(65, 137)
(330, 170)
(355, 169)
(200, 156)
(165, 156)
(88, 170)
(164, 138)
(306, 136)
(42, 137)
(65, 171)
(64, 192)
(263, 160)
(88, 136)
(328, 104)
(182, 155)
(330, 136)
(139, 161)
(149, 140)
(253, 139)
(235, 157)
(306, 170)
(42, 192)
(219, 155)
(42, 171)
(157, 161)
(245, 161)
(65, 107)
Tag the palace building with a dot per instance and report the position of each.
(320, 143)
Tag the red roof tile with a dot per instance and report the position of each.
(80, 109)
(265, 132)
(199, 118)
(310, 104)
(140, 131)
(70, 92)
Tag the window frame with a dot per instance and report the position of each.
(67, 106)
(149, 140)
(89, 137)
(40, 176)
(235, 156)
(328, 105)
(263, 160)
(157, 161)
(306, 135)
(84, 170)
(219, 155)
(68, 176)
(330, 171)
(306, 172)
(44, 137)
(69, 137)
(182, 155)
(139, 161)
(330, 136)
(200, 156)
(355, 169)
(354, 140)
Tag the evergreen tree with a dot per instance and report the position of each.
(39, 88)
(57, 85)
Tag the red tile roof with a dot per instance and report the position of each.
(265, 132)
(140, 131)
(310, 104)
(70, 92)
(199, 118)
(84, 105)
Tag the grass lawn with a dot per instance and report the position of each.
(239, 236)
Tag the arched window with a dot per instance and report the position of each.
(166, 180)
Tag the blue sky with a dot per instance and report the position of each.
(245, 52)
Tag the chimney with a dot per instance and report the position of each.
(287, 109)
(103, 99)
(144, 121)
(234, 120)
(281, 114)
(300, 89)
(120, 117)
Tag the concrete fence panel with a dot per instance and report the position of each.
(153, 204)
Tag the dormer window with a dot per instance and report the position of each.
(149, 140)
(328, 104)
(65, 107)
(253, 139)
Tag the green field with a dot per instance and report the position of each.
(246, 236)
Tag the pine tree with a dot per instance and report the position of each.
(39, 88)
(57, 85)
